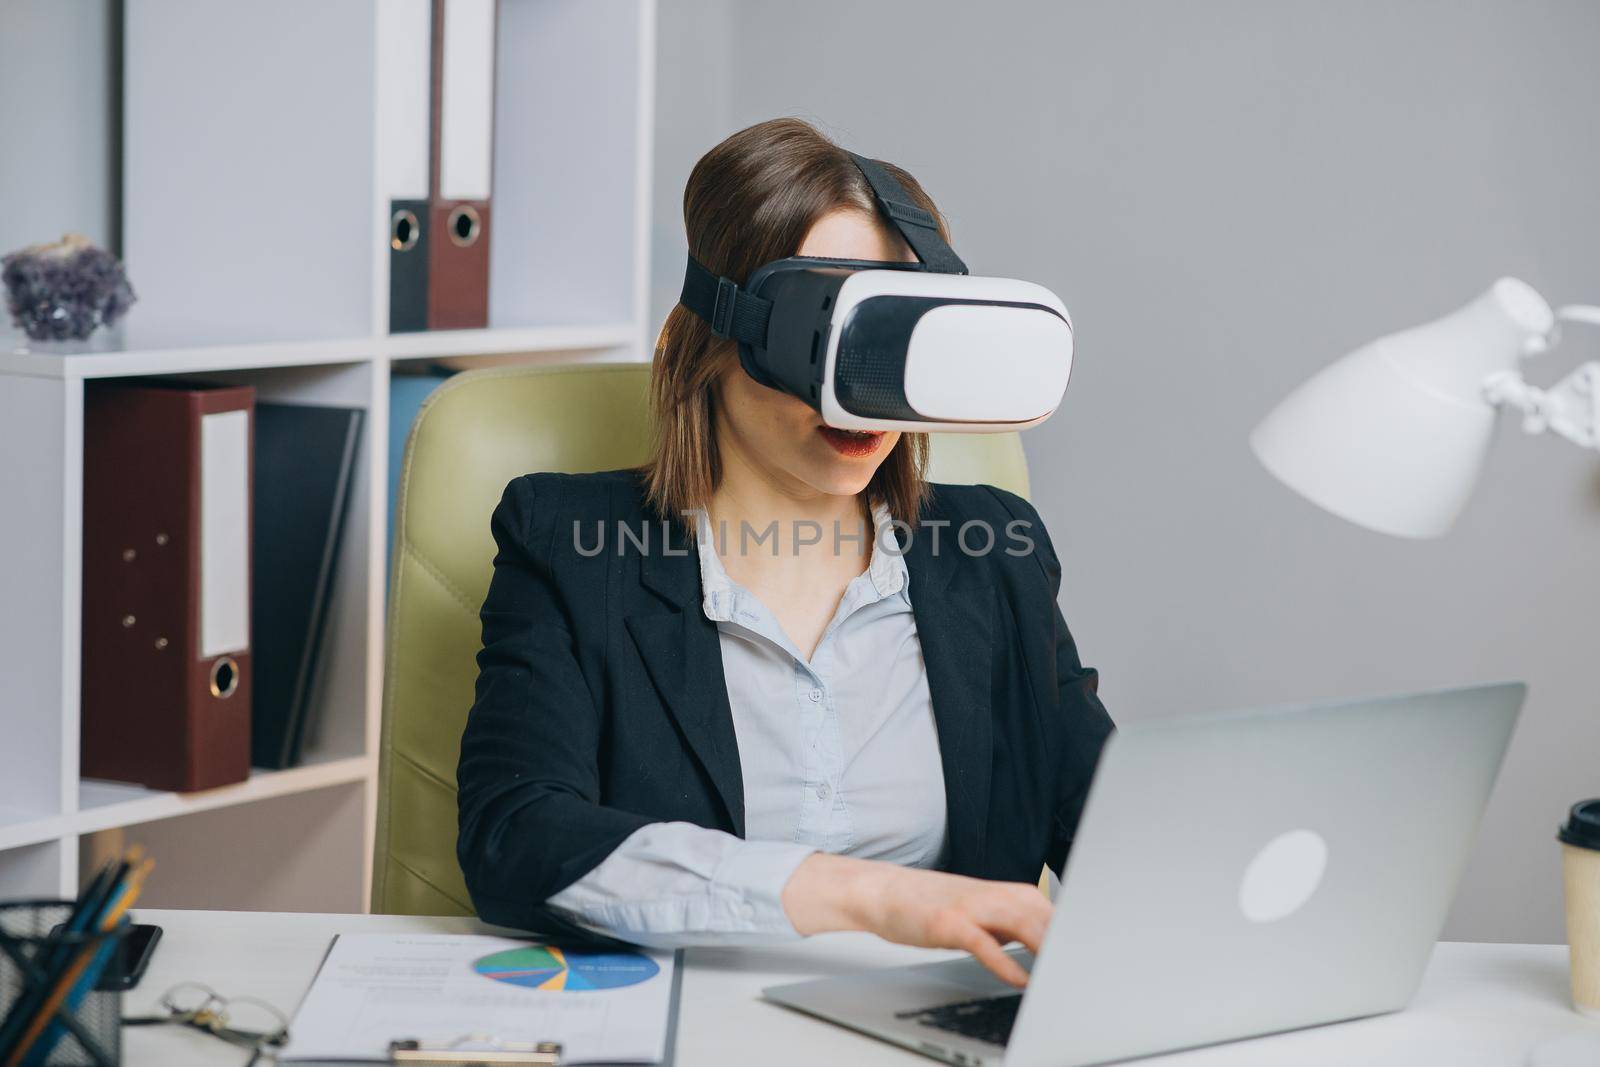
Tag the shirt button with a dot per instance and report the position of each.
(815, 695)
(822, 791)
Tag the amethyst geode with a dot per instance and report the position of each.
(62, 291)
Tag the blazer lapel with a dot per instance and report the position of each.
(683, 656)
(953, 603)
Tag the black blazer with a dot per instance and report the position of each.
(601, 706)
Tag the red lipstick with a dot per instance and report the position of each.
(852, 443)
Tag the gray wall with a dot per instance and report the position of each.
(58, 151)
(1228, 195)
(694, 110)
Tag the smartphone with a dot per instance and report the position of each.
(137, 947)
(134, 953)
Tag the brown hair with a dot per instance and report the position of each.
(750, 200)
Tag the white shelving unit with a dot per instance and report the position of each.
(574, 114)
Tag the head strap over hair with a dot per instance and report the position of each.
(918, 227)
(742, 316)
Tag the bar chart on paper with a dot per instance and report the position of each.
(555, 969)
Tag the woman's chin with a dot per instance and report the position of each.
(837, 476)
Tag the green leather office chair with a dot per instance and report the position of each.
(475, 433)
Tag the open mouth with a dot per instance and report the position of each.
(851, 442)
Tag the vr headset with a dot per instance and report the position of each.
(895, 346)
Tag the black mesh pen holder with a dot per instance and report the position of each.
(87, 1033)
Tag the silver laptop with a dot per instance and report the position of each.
(1233, 875)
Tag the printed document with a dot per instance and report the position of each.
(479, 991)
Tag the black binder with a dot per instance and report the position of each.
(408, 265)
(304, 467)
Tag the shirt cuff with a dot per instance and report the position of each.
(752, 877)
(671, 885)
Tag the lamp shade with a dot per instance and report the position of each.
(1393, 436)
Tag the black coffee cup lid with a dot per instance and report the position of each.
(1582, 828)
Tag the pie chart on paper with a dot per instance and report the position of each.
(562, 970)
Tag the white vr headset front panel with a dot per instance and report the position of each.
(1018, 352)
(969, 368)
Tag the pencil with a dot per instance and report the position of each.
(52, 955)
(121, 899)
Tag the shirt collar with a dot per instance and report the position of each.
(720, 595)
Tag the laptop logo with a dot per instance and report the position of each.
(1283, 876)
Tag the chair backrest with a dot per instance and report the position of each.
(474, 434)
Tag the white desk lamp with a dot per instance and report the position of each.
(1392, 436)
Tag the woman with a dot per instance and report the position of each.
(718, 702)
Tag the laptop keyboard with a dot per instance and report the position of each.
(986, 1019)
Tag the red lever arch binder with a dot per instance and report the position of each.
(166, 583)
(461, 163)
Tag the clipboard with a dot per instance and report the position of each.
(474, 1051)
(487, 1050)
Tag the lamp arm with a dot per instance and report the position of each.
(1570, 408)
(1579, 313)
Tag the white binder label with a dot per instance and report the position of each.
(405, 38)
(466, 104)
(224, 533)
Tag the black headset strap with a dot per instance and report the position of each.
(743, 316)
(731, 311)
(918, 227)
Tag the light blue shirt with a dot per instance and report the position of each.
(839, 753)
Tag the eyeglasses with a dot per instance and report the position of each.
(247, 1022)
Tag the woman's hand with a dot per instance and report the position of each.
(916, 907)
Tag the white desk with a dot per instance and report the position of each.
(1480, 1004)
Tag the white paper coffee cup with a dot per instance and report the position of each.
(1580, 864)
